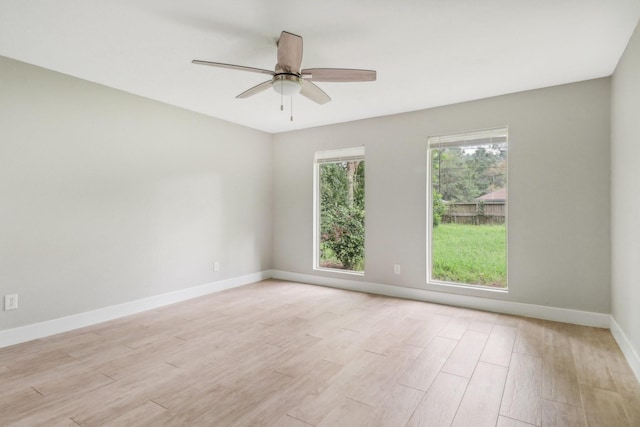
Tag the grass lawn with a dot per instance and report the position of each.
(473, 254)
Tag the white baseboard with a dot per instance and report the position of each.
(627, 348)
(55, 326)
(585, 318)
(63, 324)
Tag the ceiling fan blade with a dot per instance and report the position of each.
(255, 90)
(338, 75)
(314, 93)
(289, 53)
(233, 67)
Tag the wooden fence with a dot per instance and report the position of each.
(475, 213)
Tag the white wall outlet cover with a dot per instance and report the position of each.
(11, 302)
(396, 268)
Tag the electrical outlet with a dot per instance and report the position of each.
(10, 302)
(216, 266)
(396, 268)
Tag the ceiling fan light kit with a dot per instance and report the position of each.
(286, 84)
(288, 79)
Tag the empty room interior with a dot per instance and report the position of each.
(188, 235)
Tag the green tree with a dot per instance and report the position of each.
(488, 169)
(439, 208)
(463, 174)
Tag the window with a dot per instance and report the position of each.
(339, 210)
(467, 233)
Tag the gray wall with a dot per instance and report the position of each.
(559, 157)
(625, 191)
(106, 197)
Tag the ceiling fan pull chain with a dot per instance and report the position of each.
(281, 96)
(292, 108)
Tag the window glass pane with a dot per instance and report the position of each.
(341, 215)
(468, 213)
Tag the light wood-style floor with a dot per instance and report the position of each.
(287, 354)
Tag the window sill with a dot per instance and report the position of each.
(449, 286)
(339, 271)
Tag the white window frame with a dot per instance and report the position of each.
(489, 136)
(336, 155)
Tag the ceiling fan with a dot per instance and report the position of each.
(288, 79)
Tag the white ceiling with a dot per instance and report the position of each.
(427, 52)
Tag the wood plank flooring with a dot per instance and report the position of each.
(287, 354)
